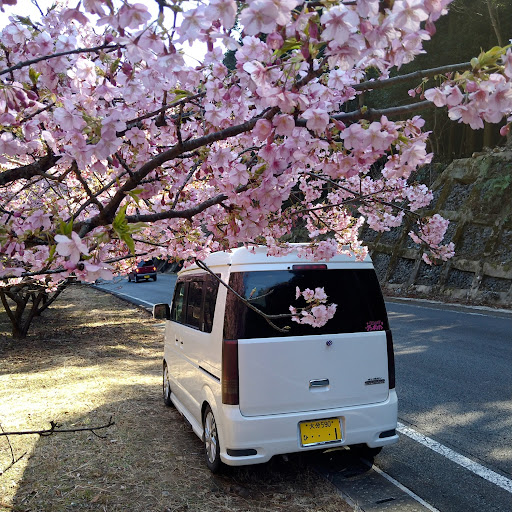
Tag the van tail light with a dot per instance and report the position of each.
(230, 372)
(154, 269)
(391, 359)
(137, 270)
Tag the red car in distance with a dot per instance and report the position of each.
(144, 271)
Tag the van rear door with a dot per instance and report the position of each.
(343, 363)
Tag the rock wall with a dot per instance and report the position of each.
(475, 194)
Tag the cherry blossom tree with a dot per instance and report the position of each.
(112, 146)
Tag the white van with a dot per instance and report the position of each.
(250, 391)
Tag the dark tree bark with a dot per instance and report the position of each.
(24, 301)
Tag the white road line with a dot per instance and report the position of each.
(461, 460)
(150, 304)
(405, 489)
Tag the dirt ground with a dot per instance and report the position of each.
(90, 357)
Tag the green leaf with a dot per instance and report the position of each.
(120, 219)
(124, 230)
(24, 20)
(134, 194)
(291, 44)
(114, 66)
(181, 93)
(66, 228)
(51, 255)
(33, 75)
(288, 45)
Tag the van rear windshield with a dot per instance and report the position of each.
(356, 292)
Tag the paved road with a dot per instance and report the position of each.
(143, 293)
(454, 383)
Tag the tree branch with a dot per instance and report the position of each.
(30, 170)
(55, 429)
(177, 214)
(204, 267)
(161, 110)
(26, 63)
(372, 114)
(184, 184)
(110, 210)
(415, 75)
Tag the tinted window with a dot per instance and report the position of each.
(356, 292)
(210, 299)
(145, 264)
(194, 303)
(178, 303)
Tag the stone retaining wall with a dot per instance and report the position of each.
(475, 194)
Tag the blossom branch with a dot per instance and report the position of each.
(30, 170)
(415, 75)
(26, 63)
(160, 111)
(268, 318)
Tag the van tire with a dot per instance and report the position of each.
(166, 387)
(211, 441)
(365, 452)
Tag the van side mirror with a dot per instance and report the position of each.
(161, 312)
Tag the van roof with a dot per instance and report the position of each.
(258, 256)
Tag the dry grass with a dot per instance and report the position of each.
(92, 356)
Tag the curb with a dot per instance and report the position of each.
(436, 304)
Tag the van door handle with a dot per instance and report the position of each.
(318, 383)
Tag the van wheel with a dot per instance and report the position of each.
(211, 441)
(167, 387)
(365, 452)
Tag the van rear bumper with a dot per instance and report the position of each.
(279, 433)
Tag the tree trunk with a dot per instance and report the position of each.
(20, 316)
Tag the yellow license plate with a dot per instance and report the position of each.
(320, 431)
(146, 277)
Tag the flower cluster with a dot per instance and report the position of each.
(112, 145)
(431, 233)
(317, 313)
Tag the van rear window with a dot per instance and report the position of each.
(356, 292)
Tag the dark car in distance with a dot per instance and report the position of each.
(144, 271)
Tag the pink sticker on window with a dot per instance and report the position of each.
(375, 325)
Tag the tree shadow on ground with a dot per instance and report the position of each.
(152, 461)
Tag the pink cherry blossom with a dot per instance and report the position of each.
(340, 22)
(317, 119)
(408, 14)
(436, 96)
(284, 124)
(262, 129)
(135, 144)
(71, 247)
(260, 17)
(132, 16)
(225, 10)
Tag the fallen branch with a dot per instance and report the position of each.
(13, 458)
(55, 429)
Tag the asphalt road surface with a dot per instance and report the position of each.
(454, 384)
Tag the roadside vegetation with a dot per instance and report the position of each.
(93, 356)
